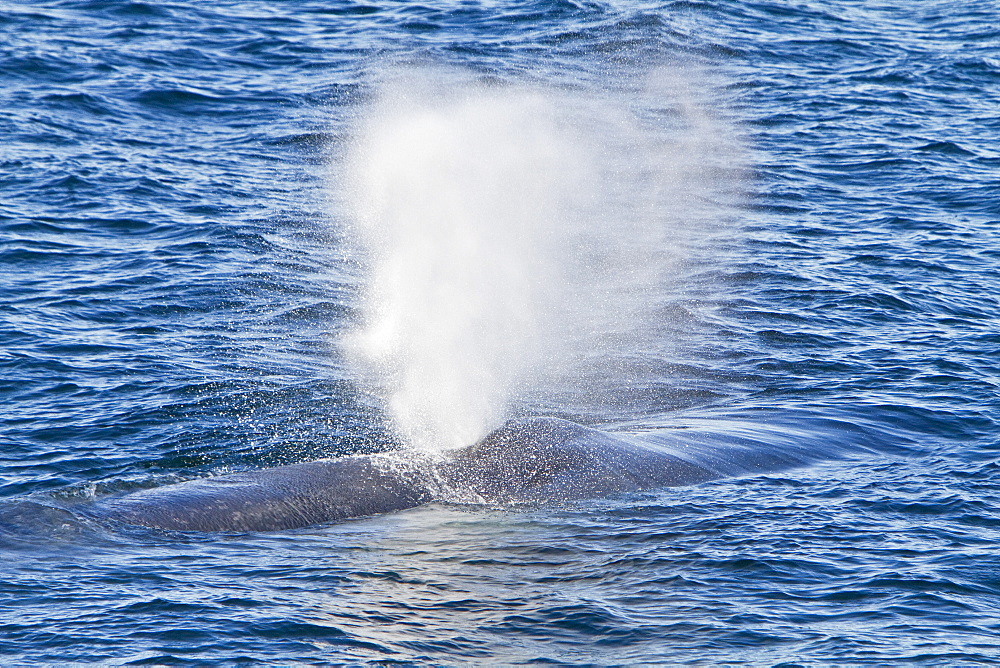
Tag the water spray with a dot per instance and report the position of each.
(507, 232)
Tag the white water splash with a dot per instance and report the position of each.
(507, 231)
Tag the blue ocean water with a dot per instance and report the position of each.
(175, 275)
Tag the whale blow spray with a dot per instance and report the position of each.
(506, 232)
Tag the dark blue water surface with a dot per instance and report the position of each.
(174, 276)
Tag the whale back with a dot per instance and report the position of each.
(284, 497)
(548, 459)
(524, 461)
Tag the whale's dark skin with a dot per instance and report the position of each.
(285, 497)
(528, 461)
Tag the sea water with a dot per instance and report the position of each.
(633, 215)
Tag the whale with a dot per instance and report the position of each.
(526, 461)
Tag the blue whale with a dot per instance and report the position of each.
(536, 460)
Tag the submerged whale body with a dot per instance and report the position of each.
(526, 461)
